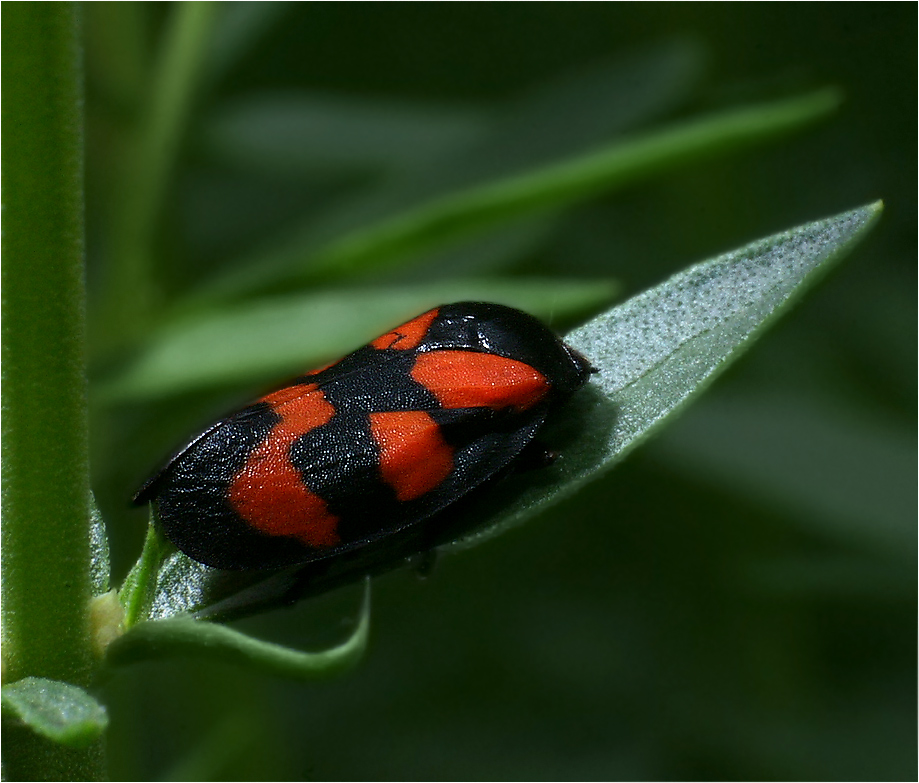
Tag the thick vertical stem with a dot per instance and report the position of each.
(45, 578)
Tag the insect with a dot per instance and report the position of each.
(342, 461)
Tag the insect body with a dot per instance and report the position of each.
(349, 456)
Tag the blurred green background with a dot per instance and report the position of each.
(736, 600)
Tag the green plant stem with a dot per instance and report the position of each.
(129, 295)
(46, 553)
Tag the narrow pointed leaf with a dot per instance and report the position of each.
(661, 347)
(653, 353)
(398, 241)
(557, 186)
(298, 133)
(609, 100)
(57, 710)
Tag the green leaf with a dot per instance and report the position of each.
(609, 99)
(139, 589)
(301, 133)
(166, 584)
(397, 241)
(57, 710)
(280, 337)
(182, 635)
(563, 184)
(665, 345)
(99, 564)
(653, 353)
(185, 586)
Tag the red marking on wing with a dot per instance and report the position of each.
(465, 379)
(268, 492)
(414, 458)
(407, 336)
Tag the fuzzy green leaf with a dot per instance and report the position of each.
(99, 565)
(185, 586)
(57, 710)
(653, 353)
(665, 345)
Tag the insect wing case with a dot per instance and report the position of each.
(348, 456)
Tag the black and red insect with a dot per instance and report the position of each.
(346, 458)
